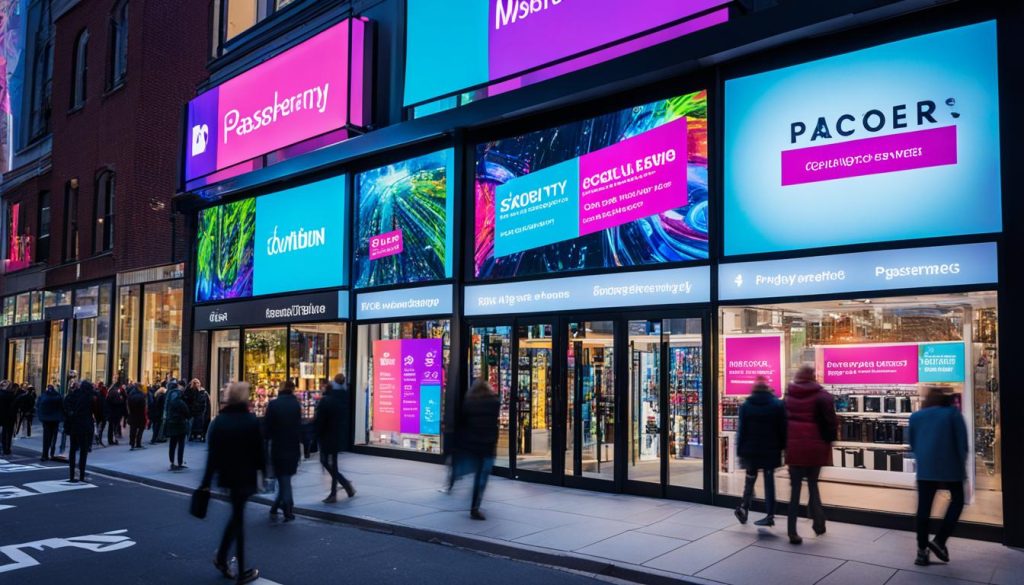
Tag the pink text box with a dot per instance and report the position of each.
(870, 156)
(387, 354)
(746, 358)
(387, 244)
(633, 179)
(884, 364)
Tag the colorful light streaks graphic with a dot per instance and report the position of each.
(676, 235)
(411, 197)
(224, 252)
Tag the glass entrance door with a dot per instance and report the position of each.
(534, 398)
(491, 360)
(646, 381)
(591, 409)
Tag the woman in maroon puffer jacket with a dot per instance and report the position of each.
(811, 417)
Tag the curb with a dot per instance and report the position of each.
(487, 546)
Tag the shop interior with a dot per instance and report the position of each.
(873, 468)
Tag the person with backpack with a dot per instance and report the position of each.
(115, 413)
(50, 409)
(760, 439)
(79, 413)
(938, 438)
(810, 430)
(136, 407)
(176, 416)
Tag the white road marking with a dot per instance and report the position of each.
(104, 542)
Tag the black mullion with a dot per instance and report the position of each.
(663, 403)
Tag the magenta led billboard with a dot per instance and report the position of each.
(312, 89)
(512, 43)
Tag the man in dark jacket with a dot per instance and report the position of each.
(176, 417)
(156, 415)
(79, 409)
(49, 408)
(100, 411)
(284, 425)
(115, 412)
(236, 458)
(26, 411)
(759, 443)
(331, 424)
(811, 428)
(478, 438)
(8, 415)
(136, 406)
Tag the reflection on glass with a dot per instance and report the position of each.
(592, 385)
(127, 330)
(265, 367)
(491, 360)
(533, 401)
(223, 364)
(685, 402)
(25, 361)
(55, 359)
(161, 345)
(317, 353)
(645, 393)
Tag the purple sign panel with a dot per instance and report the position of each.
(421, 367)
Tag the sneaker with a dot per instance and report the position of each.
(249, 576)
(940, 551)
(922, 558)
(331, 499)
(795, 539)
(741, 514)
(477, 515)
(766, 521)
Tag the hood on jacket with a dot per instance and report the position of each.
(761, 394)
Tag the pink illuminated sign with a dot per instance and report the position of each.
(387, 244)
(881, 364)
(308, 91)
(747, 358)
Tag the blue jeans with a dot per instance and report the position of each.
(284, 500)
(482, 468)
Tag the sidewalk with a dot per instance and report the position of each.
(629, 537)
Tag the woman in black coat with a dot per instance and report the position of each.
(478, 438)
(759, 443)
(236, 458)
(284, 426)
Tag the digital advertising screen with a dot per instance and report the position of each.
(629, 188)
(404, 221)
(894, 142)
(407, 382)
(281, 242)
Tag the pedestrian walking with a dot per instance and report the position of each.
(199, 409)
(8, 415)
(156, 415)
(938, 438)
(236, 459)
(478, 438)
(50, 409)
(331, 424)
(284, 431)
(136, 407)
(26, 411)
(80, 413)
(116, 410)
(810, 430)
(760, 439)
(99, 411)
(175, 424)
(191, 395)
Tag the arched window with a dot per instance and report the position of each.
(118, 44)
(103, 210)
(79, 69)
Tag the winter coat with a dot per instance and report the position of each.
(331, 420)
(236, 450)
(176, 413)
(938, 438)
(284, 431)
(807, 406)
(136, 406)
(762, 430)
(115, 404)
(156, 413)
(478, 426)
(8, 411)
(79, 410)
(190, 394)
(99, 406)
(49, 407)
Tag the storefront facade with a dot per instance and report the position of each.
(620, 269)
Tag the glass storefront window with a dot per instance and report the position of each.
(161, 330)
(127, 330)
(316, 354)
(591, 396)
(92, 332)
(491, 360)
(8, 314)
(224, 353)
(22, 308)
(947, 340)
(55, 359)
(36, 313)
(265, 364)
(25, 361)
(400, 384)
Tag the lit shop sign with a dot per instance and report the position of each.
(324, 306)
(520, 42)
(605, 291)
(410, 302)
(309, 90)
(894, 142)
(958, 265)
(907, 363)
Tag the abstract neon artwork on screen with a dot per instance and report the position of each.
(224, 251)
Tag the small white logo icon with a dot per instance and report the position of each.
(738, 280)
(200, 137)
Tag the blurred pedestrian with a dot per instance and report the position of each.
(176, 415)
(50, 409)
(200, 413)
(478, 438)
(284, 431)
(8, 415)
(759, 443)
(79, 409)
(236, 458)
(331, 424)
(811, 429)
(116, 410)
(26, 411)
(938, 438)
(100, 411)
(136, 407)
(156, 414)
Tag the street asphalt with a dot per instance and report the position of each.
(115, 532)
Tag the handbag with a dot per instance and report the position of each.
(200, 502)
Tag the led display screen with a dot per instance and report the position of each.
(627, 188)
(894, 142)
(404, 222)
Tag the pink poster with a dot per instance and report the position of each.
(387, 244)
(386, 374)
(746, 358)
(883, 364)
(421, 366)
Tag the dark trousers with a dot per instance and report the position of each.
(114, 430)
(482, 470)
(769, 489)
(49, 438)
(285, 500)
(6, 435)
(925, 497)
(796, 477)
(100, 426)
(330, 463)
(79, 445)
(156, 430)
(135, 435)
(177, 442)
(234, 531)
(25, 419)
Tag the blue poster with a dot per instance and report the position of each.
(430, 409)
(537, 209)
(941, 362)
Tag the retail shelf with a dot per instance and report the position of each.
(882, 446)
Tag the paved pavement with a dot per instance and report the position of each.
(113, 531)
(629, 537)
